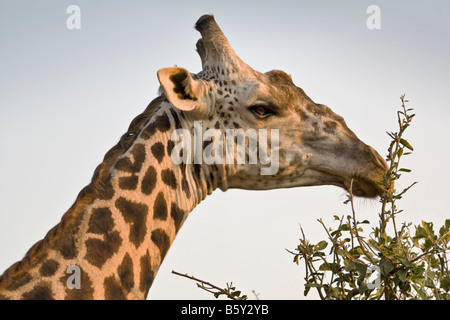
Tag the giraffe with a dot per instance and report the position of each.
(122, 224)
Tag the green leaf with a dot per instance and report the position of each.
(406, 144)
(386, 266)
(341, 252)
(445, 228)
(358, 251)
(373, 244)
(305, 293)
(404, 170)
(325, 267)
(420, 232)
(445, 284)
(427, 244)
(361, 269)
(406, 262)
(376, 232)
(335, 267)
(362, 288)
(418, 271)
(402, 274)
(349, 265)
(321, 245)
(420, 292)
(336, 233)
(318, 254)
(429, 283)
(236, 293)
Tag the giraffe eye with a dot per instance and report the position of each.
(261, 110)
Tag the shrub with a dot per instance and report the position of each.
(393, 262)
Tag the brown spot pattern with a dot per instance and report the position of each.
(160, 207)
(125, 273)
(99, 251)
(161, 123)
(149, 180)
(18, 280)
(101, 221)
(39, 292)
(125, 164)
(158, 151)
(161, 240)
(48, 268)
(177, 215)
(168, 177)
(146, 275)
(113, 289)
(136, 215)
(128, 183)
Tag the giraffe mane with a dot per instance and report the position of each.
(96, 188)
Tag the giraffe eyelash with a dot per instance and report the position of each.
(261, 110)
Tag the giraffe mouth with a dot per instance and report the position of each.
(358, 186)
(361, 187)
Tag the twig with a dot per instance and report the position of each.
(356, 225)
(255, 294)
(309, 266)
(207, 286)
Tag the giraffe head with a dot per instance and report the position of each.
(309, 144)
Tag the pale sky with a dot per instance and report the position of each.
(66, 96)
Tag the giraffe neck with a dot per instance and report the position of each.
(121, 226)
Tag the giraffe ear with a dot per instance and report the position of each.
(186, 93)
